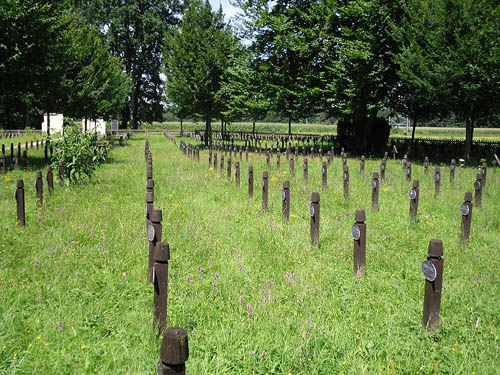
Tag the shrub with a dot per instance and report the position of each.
(80, 153)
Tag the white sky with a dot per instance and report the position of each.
(229, 10)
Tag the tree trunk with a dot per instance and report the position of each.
(181, 127)
(413, 130)
(469, 132)
(289, 125)
(133, 110)
(208, 132)
(253, 128)
(85, 124)
(48, 122)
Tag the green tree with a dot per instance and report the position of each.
(452, 49)
(134, 30)
(31, 59)
(359, 68)
(286, 43)
(94, 81)
(196, 56)
(244, 89)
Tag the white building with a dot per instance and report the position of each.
(56, 123)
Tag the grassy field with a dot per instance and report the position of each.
(252, 293)
(486, 134)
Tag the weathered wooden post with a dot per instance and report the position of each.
(291, 165)
(362, 166)
(25, 159)
(426, 165)
(39, 189)
(278, 161)
(160, 285)
(358, 232)
(265, 178)
(285, 198)
(21, 217)
(452, 170)
(466, 211)
(408, 171)
(328, 157)
(496, 162)
(386, 156)
(154, 236)
(50, 180)
(45, 151)
(478, 188)
(16, 161)
(394, 152)
(209, 158)
(306, 172)
(484, 168)
(314, 213)
(221, 163)
(174, 352)
(237, 173)
(229, 168)
(345, 177)
(197, 153)
(404, 161)
(375, 187)
(215, 162)
(149, 207)
(437, 181)
(432, 268)
(324, 176)
(3, 164)
(246, 154)
(382, 171)
(11, 151)
(60, 171)
(250, 182)
(344, 158)
(414, 195)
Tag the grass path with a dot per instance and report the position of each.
(252, 293)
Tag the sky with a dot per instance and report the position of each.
(228, 9)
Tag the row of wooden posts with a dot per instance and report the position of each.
(174, 350)
(432, 268)
(22, 158)
(20, 191)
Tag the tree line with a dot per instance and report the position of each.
(351, 60)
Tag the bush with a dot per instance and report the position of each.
(80, 153)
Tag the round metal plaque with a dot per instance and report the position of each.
(262, 184)
(436, 177)
(355, 232)
(373, 184)
(311, 210)
(412, 194)
(429, 270)
(283, 196)
(146, 210)
(477, 185)
(382, 167)
(452, 167)
(464, 209)
(323, 170)
(403, 162)
(345, 176)
(151, 233)
(407, 171)
(304, 166)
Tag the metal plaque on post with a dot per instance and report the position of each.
(477, 185)
(311, 210)
(429, 270)
(355, 232)
(373, 184)
(151, 233)
(382, 167)
(345, 176)
(412, 194)
(283, 196)
(464, 209)
(436, 177)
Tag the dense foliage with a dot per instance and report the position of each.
(80, 153)
(356, 61)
